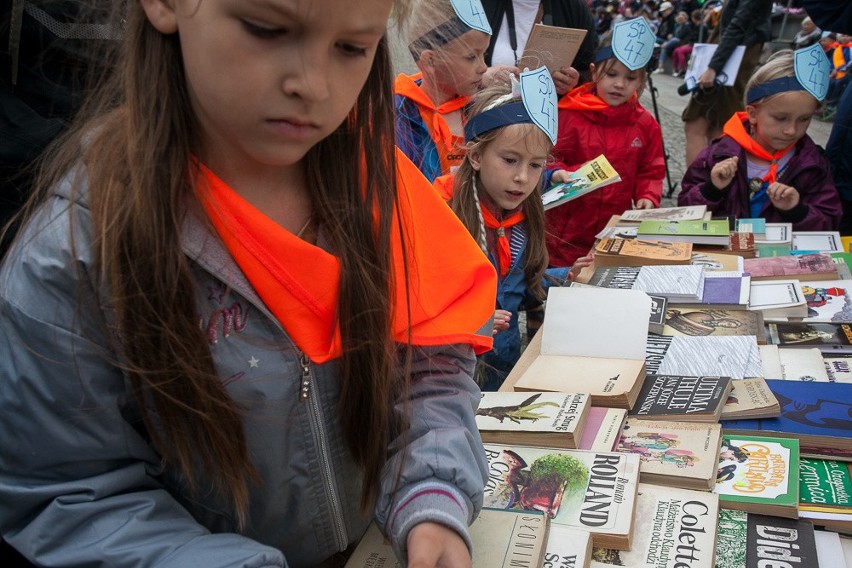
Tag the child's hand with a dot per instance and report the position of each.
(783, 197)
(432, 545)
(580, 264)
(723, 172)
(499, 75)
(644, 204)
(560, 176)
(501, 320)
(565, 79)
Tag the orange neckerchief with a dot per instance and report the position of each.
(449, 146)
(451, 284)
(504, 255)
(736, 130)
(583, 98)
(838, 60)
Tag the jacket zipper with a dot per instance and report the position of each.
(306, 389)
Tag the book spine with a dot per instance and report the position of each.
(655, 353)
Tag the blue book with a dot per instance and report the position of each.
(819, 414)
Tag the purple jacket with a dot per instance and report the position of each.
(808, 171)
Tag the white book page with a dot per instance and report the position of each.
(771, 361)
(596, 322)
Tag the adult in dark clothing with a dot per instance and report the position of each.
(836, 15)
(666, 29)
(743, 22)
(561, 13)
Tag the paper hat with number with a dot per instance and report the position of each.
(537, 105)
(469, 15)
(633, 44)
(812, 69)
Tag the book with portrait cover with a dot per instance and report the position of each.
(682, 398)
(674, 454)
(749, 540)
(827, 337)
(677, 530)
(593, 491)
(703, 320)
(538, 419)
(501, 539)
(759, 474)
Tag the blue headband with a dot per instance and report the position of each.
(438, 36)
(773, 87)
(603, 54)
(503, 115)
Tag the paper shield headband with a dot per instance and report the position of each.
(469, 16)
(812, 70)
(632, 43)
(537, 106)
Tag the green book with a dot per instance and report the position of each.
(771, 249)
(825, 486)
(712, 232)
(759, 474)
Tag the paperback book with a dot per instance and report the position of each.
(657, 320)
(777, 233)
(566, 548)
(552, 46)
(778, 298)
(703, 320)
(715, 232)
(801, 365)
(538, 419)
(592, 175)
(750, 398)
(817, 241)
(825, 486)
(827, 337)
(682, 398)
(733, 356)
(635, 252)
(686, 213)
(677, 530)
(755, 226)
(501, 539)
(828, 301)
(838, 368)
(805, 267)
(759, 474)
(603, 426)
(749, 540)
(593, 491)
(717, 262)
(677, 283)
(726, 290)
(674, 454)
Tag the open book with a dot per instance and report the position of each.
(592, 175)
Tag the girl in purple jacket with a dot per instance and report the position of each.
(765, 165)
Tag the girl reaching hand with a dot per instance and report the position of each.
(223, 340)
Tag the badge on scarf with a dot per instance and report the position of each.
(472, 14)
(812, 70)
(539, 96)
(633, 43)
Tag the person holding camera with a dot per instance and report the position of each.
(742, 22)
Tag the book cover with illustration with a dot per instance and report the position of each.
(827, 337)
(686, 213)
(705, 320)
(566, 548)
(635, 252)
(677, 530)
(828, 301)
(759, 474)
(593, 491)
(825, 486)
(592, 175)
(540, 419)
(749, 540)
(683, 398)
(674, 454)
(732, 356)
(817, 414)
(802, 267)
(717, 262)
(501, 539)
(675, 282)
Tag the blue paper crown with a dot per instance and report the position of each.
(812, 69)
(633, 43)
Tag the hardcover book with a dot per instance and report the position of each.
(819, 415)
(538, 419)
(593, 491)
(687, 213)
(749, 540)
(733, 356)
(674, 454)
(603, 427)
(804, 267)
(597, 357)
(677, 530)
(703, 320)
(750, 398)
(778, 298)
(759, 474)
(682, 398)
(677, 283)
(714, 232)
(827, 337)
(635, 252)
(818, 241)
(504, 539)
(567, 548)
(592, 175)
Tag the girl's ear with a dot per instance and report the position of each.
(594, 72)
(475, 159)
(161, 14)
(751, 111)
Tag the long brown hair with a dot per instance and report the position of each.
(465, 201)
(138, 135)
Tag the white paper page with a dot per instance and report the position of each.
(770, 359)
(802, 365)
(596, 322)
(829, 549)
(702, 53)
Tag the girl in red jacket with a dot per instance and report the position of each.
(605, 117)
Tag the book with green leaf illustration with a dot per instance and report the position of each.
(550, 419)
(592, 175)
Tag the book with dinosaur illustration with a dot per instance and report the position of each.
(550, 419)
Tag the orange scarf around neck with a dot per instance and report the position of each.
(504, 254)
(584, 98)
(450, 284)
(735, 128)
